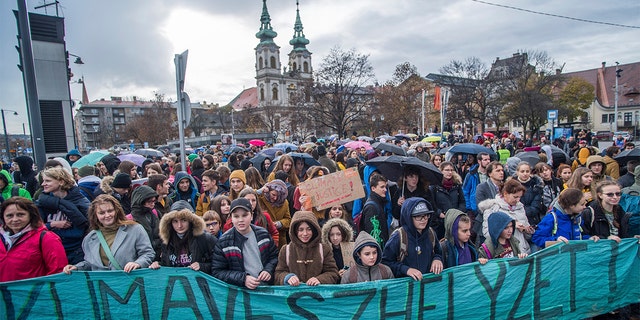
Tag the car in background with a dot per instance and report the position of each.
(604, 136)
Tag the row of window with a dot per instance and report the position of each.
(272, 64)
(610, 117)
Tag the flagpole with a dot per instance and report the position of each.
(422, 131)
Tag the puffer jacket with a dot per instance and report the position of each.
(450, 246)
(191, 196)
(306, 260)
(532, 199)
(145, 216)
(420, 251)
(228, 263)
(366, 273)
(200, 244)
(517, 212)
(8, 189)
(345, 250)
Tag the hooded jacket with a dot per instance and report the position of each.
(72, 152)
(420, 251)
(306, 260)
(450, 246)
(492, 248)
(365, 273)
(145, 216)
(532, 199)
(581, 158)
(200, 244)
(343, 254)
(612, 167)
(88, 186)
(471, 181)
(191, 196)
(516, 212)
(8, 189)
(570, 227)
(634, 189)
(26, 176)
(602, 176)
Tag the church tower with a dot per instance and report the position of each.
(267, 61)
(300, 57)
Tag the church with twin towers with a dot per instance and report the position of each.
(280, 88)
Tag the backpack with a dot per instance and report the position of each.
(632, 221)
(88, 193)
(555, 221)
(357, 219)
(404, 242)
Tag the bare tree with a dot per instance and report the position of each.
(155, 125)
(342, 93)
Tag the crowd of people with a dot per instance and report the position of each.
(247, 222)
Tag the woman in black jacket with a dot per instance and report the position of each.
(532, 197)
(448, 196)
(601, 218)
(184, 242)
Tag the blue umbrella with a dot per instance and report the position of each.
(286, 145)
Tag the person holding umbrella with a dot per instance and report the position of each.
(412, 185)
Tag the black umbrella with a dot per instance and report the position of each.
(388, 147)
(471, 148)
(559, 156)
(231, 149)
(530, 157)
(258, 159)
(393, 167)
(626, 155)
(308, 159)
(403, 136)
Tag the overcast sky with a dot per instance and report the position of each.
(128, 46)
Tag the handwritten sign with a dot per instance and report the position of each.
(566, 281)
(333, 189)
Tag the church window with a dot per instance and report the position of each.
(305, 66)
(273, 62)
(260, 63)
(261, 94)
(274, 93)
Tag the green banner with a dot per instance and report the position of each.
(572, 281)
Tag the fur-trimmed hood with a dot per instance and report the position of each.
(105, 184)
(195, 222)
(344, 227)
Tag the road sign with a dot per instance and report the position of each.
(552, 115)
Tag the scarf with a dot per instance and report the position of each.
(109, 234)
(11, 239)
(448, 184)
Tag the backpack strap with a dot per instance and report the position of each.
(404, 241)
(555, 224)
(593, 216)
(15, 191)
(42, 237)
(486, 250)
(321, 253)
(287, 255)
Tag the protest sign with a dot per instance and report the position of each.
(333, 189)
(566, 281)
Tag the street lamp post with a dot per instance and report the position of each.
(4, 126)
(615, 104)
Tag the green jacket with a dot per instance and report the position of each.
(8, 181)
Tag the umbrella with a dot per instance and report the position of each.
(392, 148)
(343, 142)
(231, 149)
(488, 135)
(135, 158)
(271, 152)
(559, 156)
(258, 159)
(386, 137)
(358, 145)
(471, 148)
(91, 159)
(411, 135)
(392, 167)
(622, 157)
(531, 157)
(286, 145)
(307, 145)
(149, 152)
(308, 159)
(403, 136)
(432, 139)
(257, 143)
(365, 138)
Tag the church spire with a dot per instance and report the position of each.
(298, 42)
(266, 33)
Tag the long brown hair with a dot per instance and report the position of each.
(120, 217)
(258, 217)
(24, 204)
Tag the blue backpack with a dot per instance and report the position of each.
(631, 205)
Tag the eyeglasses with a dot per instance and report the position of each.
(611, 194)
(212, 224)
(421, 218)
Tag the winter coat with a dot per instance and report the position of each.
(200, 244)
(550, 191)
(7, 192)
(597, 224)
(346, 246)
(570, 227)
(278, 210)
(420, 251)
(228, 263)
(88, 186)
(634, 189)
(73, 208)
(451, 199)
(424, 156)
(517, 212)
(491, 248)
(306, 260)
(471, 181)
(73, 152)
(366, 273)
(612, 167)
(105, 188)
(191, 196)
(31, 257)
(131, 244)
(450, 244)
(26, 176)
(532, 199)
(486, 190)
(374, 219)
(145, 216)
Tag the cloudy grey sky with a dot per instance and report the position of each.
(128, 46)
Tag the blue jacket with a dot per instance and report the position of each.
(74, 208)
(564, 225)
(471, 181)
(191, 196)
(420, 252)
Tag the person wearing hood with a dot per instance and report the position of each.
(273, 199)
(367, 255)
(64, 210)
(26, 175)
(501, 243)
(88, 182)
(508, 201)
(423, 252)
(210, 190)
(185, 189)
(305, 259)
(581, 156)
(532, 197)
(634, 189)
(185, 242)
(111, 163)
(118, 187)
(564, 222)
(73, 156)
(457, 249)
(8, 189)
(245, 255)
(338, 235)
(143, 200)
(598, 167)
(613, 168)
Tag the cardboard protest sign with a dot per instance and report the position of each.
(333, 189)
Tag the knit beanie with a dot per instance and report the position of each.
(192, 157)
(239, 174)
(86, 171)
(122, 180)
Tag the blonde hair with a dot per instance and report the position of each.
(61, 175)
